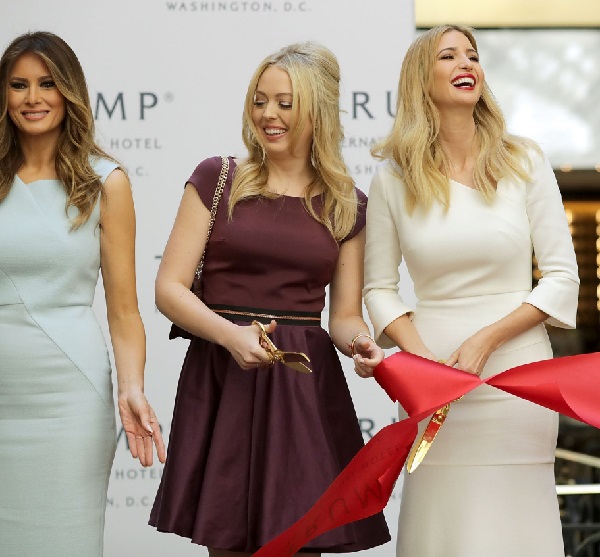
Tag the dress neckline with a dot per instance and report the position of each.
(278, 195)
(463, 185)
(36, 181)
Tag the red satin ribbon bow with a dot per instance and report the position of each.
(569, 385)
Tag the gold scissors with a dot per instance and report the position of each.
(419, 450)
(295, 360)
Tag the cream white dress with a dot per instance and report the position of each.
(486, 488)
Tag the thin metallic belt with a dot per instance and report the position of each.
(241, 313)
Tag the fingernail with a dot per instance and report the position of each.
(149, 428)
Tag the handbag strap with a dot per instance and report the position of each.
(215, 205)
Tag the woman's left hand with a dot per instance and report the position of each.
(141, 427)
(368, 355)
(472, 355)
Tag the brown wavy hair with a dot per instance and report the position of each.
(315, 75)
(414, 144)
(76, 143)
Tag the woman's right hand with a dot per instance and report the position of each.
(245, 346)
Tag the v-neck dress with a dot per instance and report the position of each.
(486, 487)
(250, 451)
(57, 420)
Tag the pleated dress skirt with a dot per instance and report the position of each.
(250, 451)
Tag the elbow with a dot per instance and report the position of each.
(168, 295)
(161, 297)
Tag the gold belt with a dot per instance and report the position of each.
(284, 317)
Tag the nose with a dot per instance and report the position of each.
(33, 95)
(466, 63)
(270, 111)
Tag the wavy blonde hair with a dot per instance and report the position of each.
(414, 142)
(315, 76)
(76, 143)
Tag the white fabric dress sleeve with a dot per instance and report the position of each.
(103, 167)
(383, 256)
(557, 291)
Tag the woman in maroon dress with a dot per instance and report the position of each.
(254, 445)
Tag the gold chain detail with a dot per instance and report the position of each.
(266, 315)
(215, 205)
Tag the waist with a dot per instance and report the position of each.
(445, 324)
(283, 317)
(486, 305)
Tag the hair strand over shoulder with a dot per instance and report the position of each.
(315, 76)
(414, 144)
(76, 145)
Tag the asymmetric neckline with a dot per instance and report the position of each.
(36, 181)
(463, 185)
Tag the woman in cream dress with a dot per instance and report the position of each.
(465, 204)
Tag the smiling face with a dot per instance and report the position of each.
(35, 105)
(457, 77)
(272, 115)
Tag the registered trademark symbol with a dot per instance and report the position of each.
(169, 97)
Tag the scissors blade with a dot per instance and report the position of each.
(419, 450)
(294, 360)
(297, 361)
(298, 366)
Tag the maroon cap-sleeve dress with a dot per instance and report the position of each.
(251, 451)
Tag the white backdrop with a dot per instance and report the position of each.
(167, 81)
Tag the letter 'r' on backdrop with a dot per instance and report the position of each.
(167, 81)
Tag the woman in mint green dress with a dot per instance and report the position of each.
(66, 211)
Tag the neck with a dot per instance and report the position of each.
(290, 176)
(39, 153)
(457, 137)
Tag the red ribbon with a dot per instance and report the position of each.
(569, 385)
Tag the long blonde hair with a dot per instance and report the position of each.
(414, 143)
(76, 143)
(315, 76)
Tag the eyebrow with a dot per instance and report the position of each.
(258, 92)
(454, 49)
(42, 78)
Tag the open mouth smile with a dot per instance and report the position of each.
(274, 132)
(34, 114)
(464, 81)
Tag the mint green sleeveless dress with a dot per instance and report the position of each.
(57, 419)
